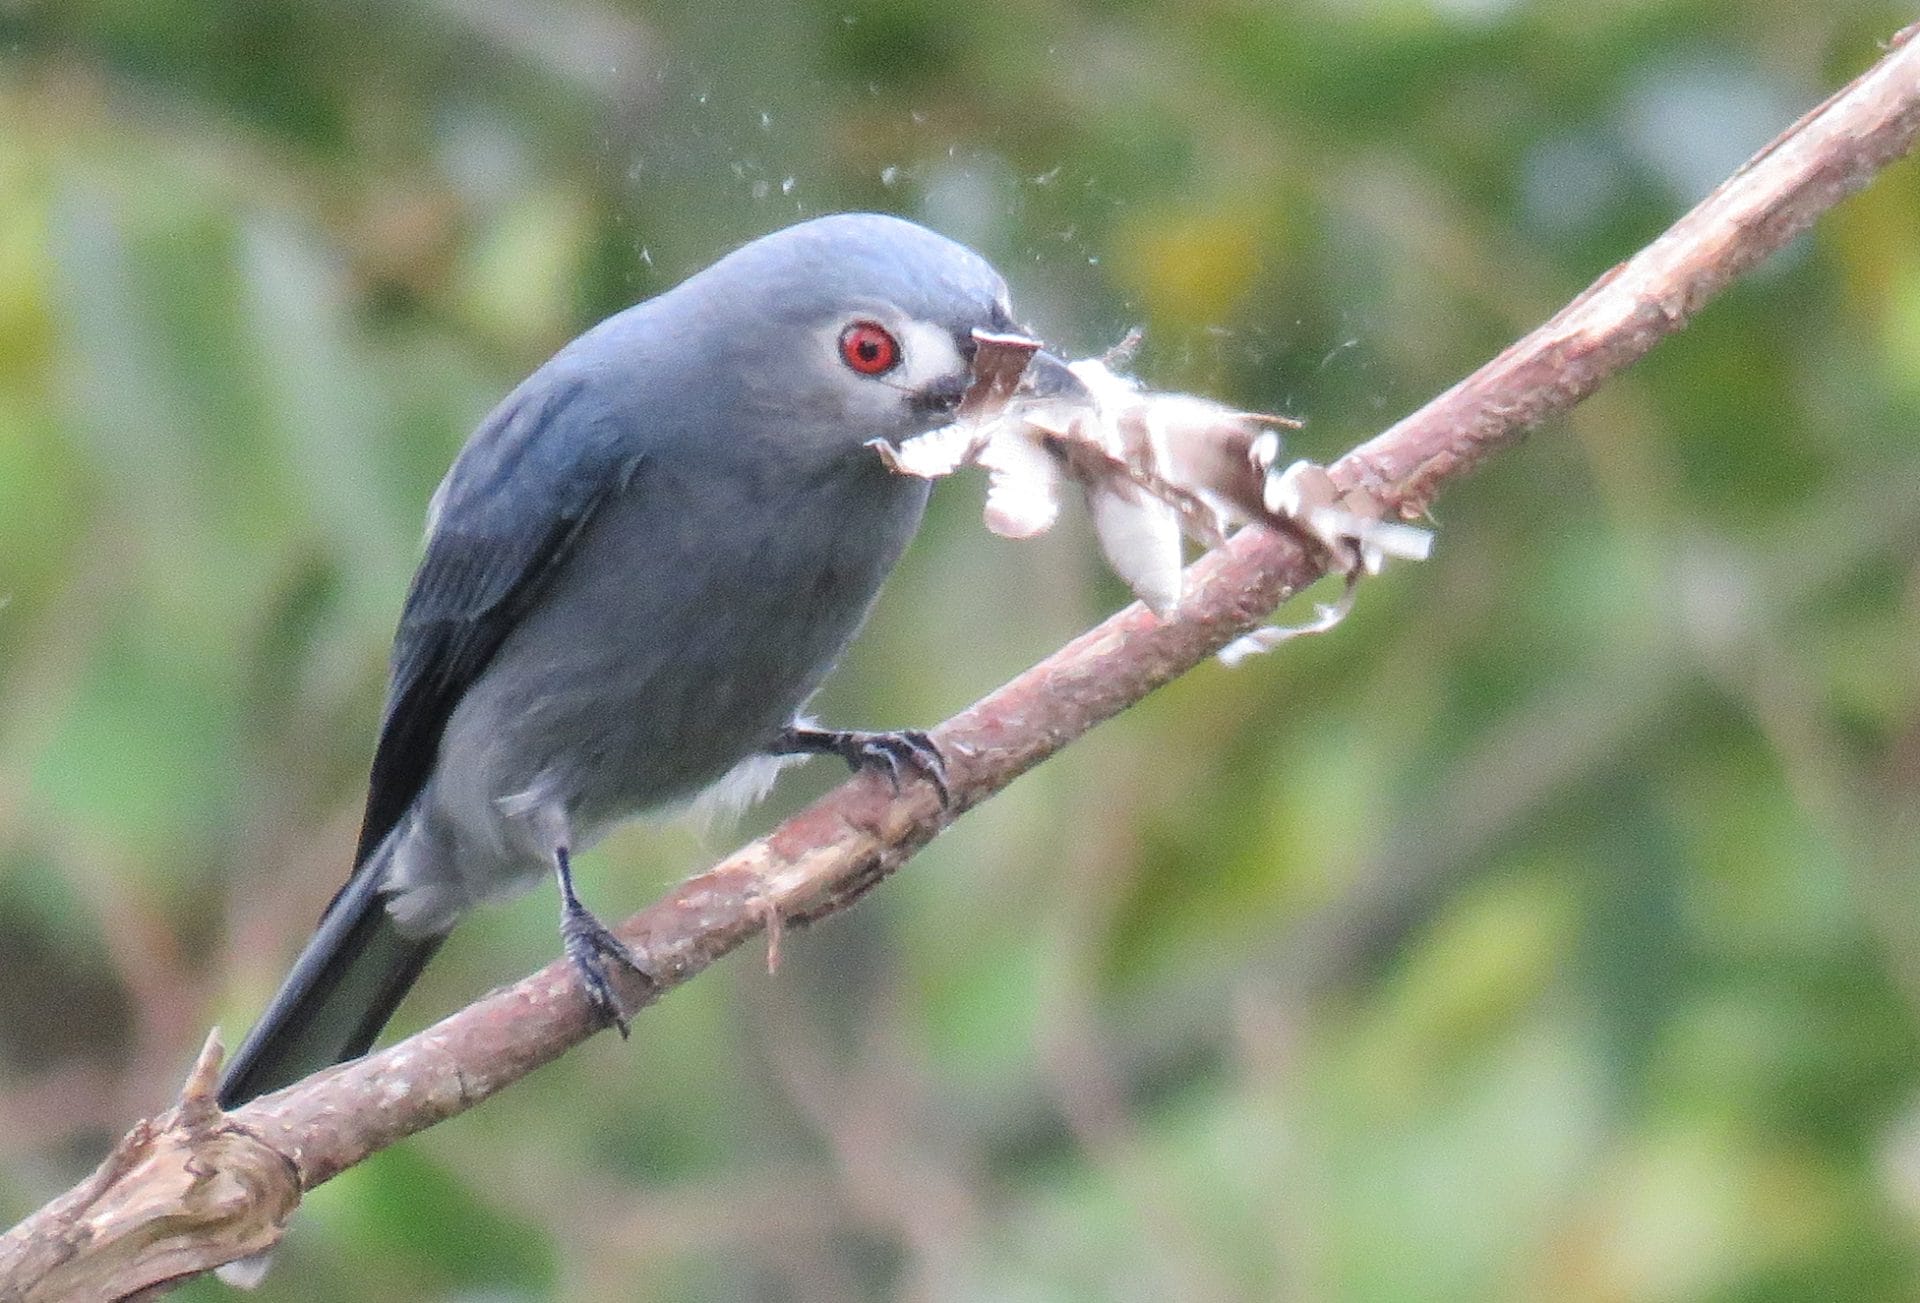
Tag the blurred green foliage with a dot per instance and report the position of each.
(1548, 931)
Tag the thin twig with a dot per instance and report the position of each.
(130, 1226)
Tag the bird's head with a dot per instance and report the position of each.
(849, 328)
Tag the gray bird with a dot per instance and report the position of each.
(638, 569)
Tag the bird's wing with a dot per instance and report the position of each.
(505, 521)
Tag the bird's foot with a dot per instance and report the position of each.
(594, 951)
(895, 751)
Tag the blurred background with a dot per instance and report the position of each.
(1548, 931)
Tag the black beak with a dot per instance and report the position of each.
(1048, 377)
(1006, 363)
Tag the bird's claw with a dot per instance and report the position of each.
(593, 950)
(896, 751)
(899, 749)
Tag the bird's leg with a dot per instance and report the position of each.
(592, 947)
(895, 751)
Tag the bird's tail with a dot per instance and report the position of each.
(343, 988)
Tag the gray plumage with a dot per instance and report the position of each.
(638, 569)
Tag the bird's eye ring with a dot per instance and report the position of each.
(869, 348)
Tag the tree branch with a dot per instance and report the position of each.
(196, 1188)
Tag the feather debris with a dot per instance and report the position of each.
(1155, 469)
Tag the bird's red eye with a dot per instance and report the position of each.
(868, 348)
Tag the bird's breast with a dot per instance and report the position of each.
(692, 623)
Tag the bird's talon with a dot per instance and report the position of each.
(900, 749)
(896, 750)
(593, 950)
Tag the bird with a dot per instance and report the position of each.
(637, 571)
